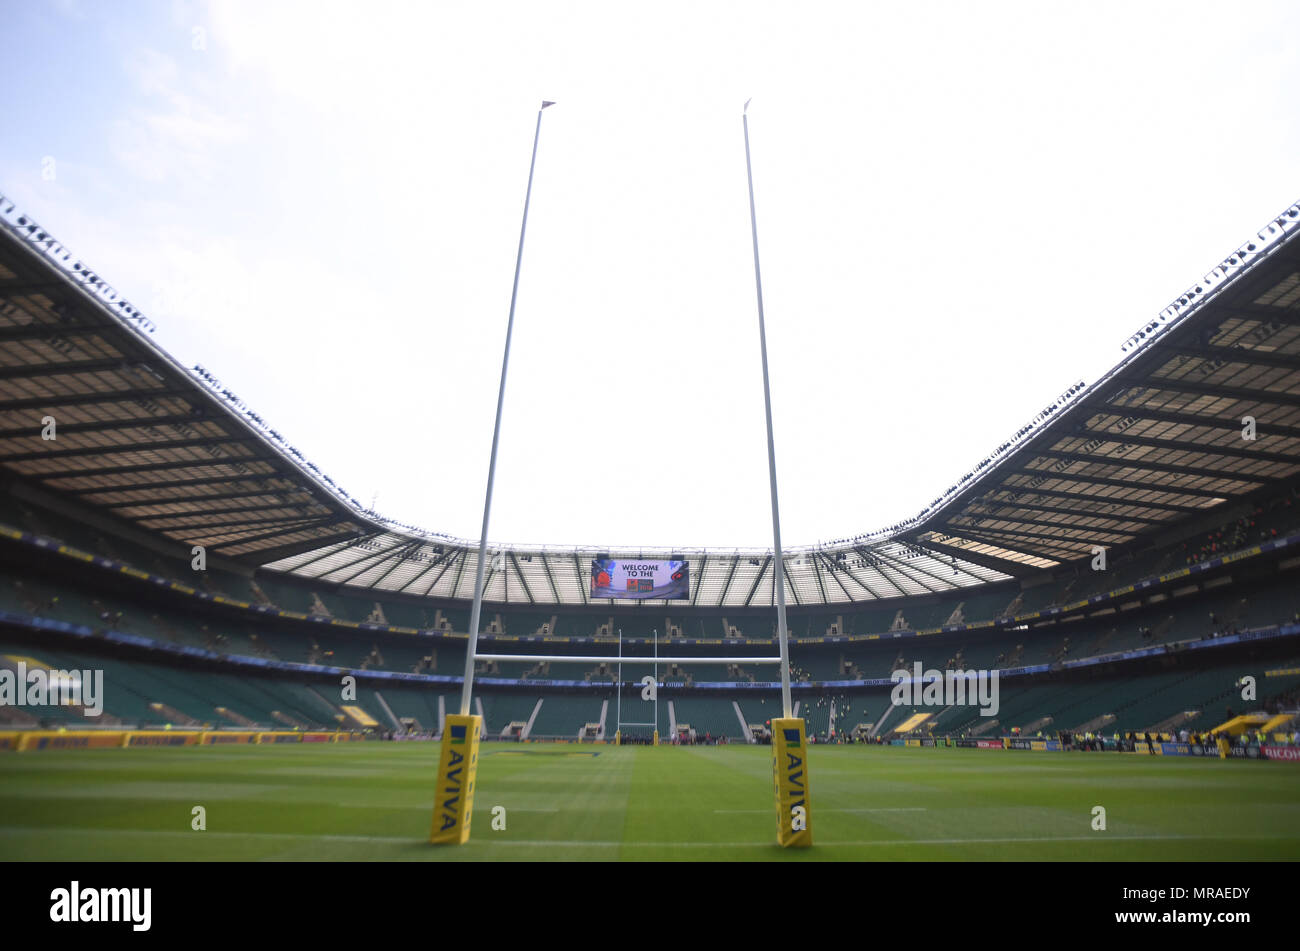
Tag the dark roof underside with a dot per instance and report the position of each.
(163, 447)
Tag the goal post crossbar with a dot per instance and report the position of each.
(624, 659)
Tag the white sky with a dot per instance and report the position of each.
(963, 209)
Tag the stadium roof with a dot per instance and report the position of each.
(1204, 408)
(167, 448)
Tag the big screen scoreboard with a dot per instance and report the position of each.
(640, 579)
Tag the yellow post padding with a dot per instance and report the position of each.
(793, 794)
(457, 766)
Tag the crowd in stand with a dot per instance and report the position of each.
(1135, 743)
(1290, 700)
(692, 739)
(1264, 524)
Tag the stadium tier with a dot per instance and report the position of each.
(1124, 661)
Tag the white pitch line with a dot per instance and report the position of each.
(45, 831)
(751, 812)
(871, 842)
(580, 844)
(882, 809)
(425, 808)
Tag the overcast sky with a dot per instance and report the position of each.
(963, 209)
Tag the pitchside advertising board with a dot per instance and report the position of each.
(640, 579)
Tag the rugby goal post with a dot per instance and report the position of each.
(458, 761)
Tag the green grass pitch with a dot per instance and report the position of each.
(374, 801)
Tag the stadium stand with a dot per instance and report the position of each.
(301, 585)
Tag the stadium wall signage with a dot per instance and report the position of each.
(53, 740)
(1287, 754)
(1040, 745)
(1244, 752)
(163, 738)
(1290, 754)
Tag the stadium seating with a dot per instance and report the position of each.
(158, 691)
(716, 716)
(563, 716)
(502, 709)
